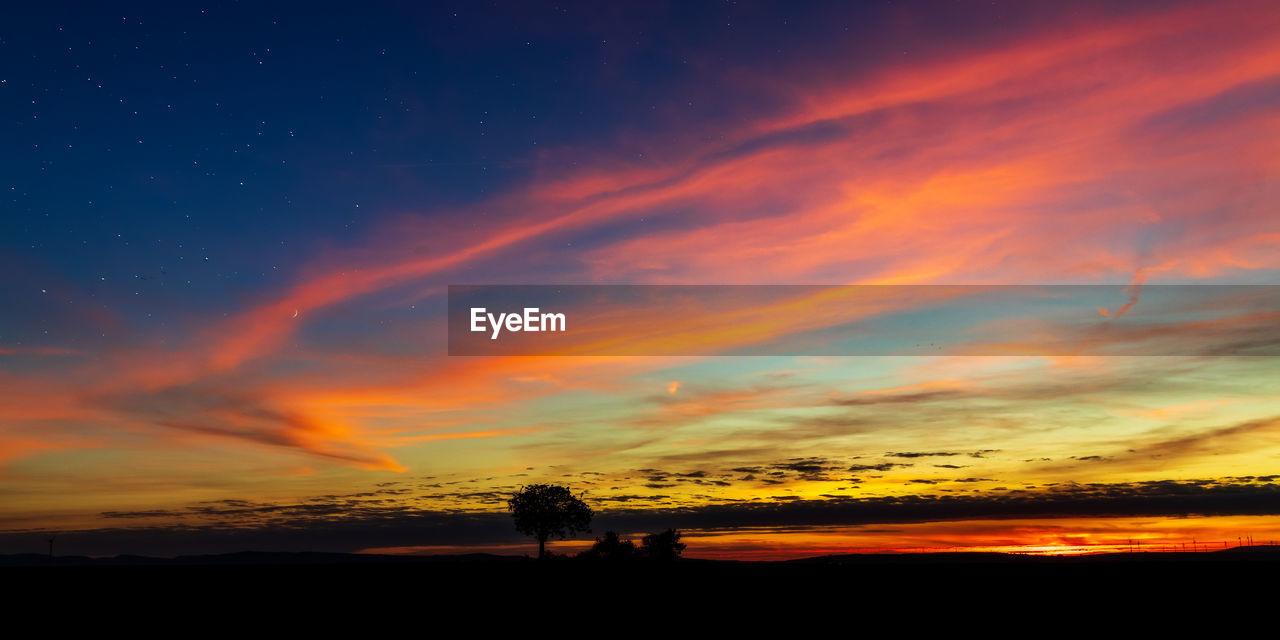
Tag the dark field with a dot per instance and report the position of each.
(391, 583)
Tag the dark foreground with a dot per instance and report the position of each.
(391, 583)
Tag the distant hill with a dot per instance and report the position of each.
(253, 558)
(1261, 552)
(1265, 553)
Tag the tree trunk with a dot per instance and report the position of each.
(542, 547)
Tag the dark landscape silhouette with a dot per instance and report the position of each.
(546, 511)
(614, 566)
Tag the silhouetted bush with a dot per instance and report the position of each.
(610, 547)
(662, 546)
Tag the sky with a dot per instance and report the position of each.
(228, 231)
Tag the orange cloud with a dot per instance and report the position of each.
(1045, 160)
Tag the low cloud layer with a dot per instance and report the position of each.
(352, 523)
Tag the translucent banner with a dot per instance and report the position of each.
(853, 320)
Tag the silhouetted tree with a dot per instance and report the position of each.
(662, 546)
(545, 510)
(611, 547)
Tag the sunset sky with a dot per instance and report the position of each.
(228, 232)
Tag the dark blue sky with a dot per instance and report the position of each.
(183, 155)
(161, 157)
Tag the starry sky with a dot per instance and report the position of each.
(228, 229)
